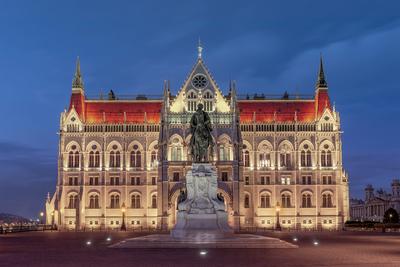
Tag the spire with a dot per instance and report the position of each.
(77, 82)
(321, 82)
(199, 49)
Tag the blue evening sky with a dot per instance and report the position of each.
(132, 46)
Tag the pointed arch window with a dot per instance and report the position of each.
(154, 202)
(94, 202)
(326, 156)
(208, 103)
(285, 201)
(265, 201)
(73, 157)
(246, 158)
(306, 200)
(135, 201)
(114, 202)
(285, 158)
(73, 202)
(192, 101)
(136, 157)
(305, 157)
(153, 159)
(94, 157)
(246, 201)
(327, 200)
(115, 157)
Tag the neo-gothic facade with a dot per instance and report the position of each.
(126, 159)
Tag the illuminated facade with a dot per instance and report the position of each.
(125, 160)
(376, 203)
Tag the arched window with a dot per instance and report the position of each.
(153, 159)
(326, 156)
(136, 157)
(306, 200)
(154, 202)
(115, 157)
(94, 202)
(192, 101)
(246, 158)
(305, 157)
(208, 104)
(327, 200)
(265, 201)
(285, 159)
(94, 157)
(264, 159)
(73, 157)
(286, 201)
(176, 150)
(114, 204)
(223, 152)
(73, 202)
(135, 201)
(246, 201)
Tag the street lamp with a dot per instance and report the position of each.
(52, 220)
(278, 209)
(41, 217)
(123, 209)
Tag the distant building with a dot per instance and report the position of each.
(125, 159)
(376, 203)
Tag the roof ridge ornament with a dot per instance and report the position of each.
(77, 82)
(199, 49)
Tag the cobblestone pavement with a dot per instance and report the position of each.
(72, 249)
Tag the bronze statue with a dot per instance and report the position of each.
(200, 125)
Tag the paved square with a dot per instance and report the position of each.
(73, 249)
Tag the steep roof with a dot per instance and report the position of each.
(118, 111)
(276, 110)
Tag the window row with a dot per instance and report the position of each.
(286, 201)
(114, 202)
(305, 180)
(113, 180)
(285, 159)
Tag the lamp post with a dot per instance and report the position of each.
(52, 220)
(41, 217)
(278, 209)
(123, 209)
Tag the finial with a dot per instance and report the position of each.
(77, 82)
(321, 82)
(199, 49)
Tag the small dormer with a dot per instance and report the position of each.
(327, 122)
(71, 121)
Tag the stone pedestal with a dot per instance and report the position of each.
(201, 211)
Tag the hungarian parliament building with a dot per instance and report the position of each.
(122, 161)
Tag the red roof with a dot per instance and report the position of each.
(281, 110)
(115, 111)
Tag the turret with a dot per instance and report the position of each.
(396, 188)
(321, 91)
(369, 192)
(78, 95)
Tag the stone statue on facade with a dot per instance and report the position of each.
(201, 141)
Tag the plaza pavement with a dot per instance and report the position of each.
(71, 249)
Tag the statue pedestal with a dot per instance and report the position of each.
(202, 212)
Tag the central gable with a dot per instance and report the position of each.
(200, 87)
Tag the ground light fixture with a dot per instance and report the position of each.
(108, 239)
(203, 252)
(88, 243)
(315, 243)
(295, 239)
